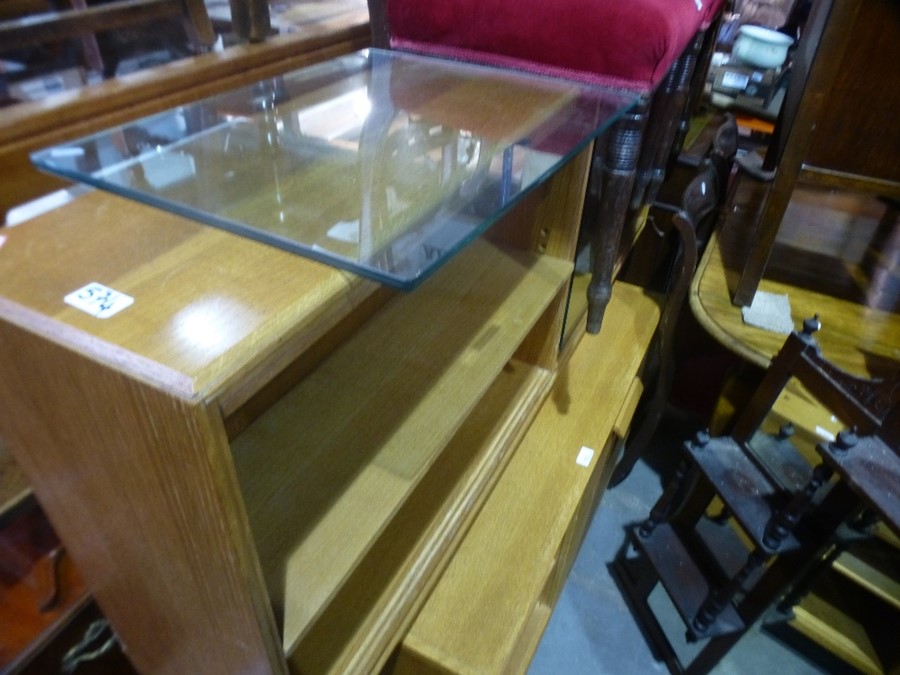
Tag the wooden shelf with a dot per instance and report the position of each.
(875, 571)
(686, 585)
(286, 498)
(850, 625)
(325, 470)
(492, 603)
(837, 632)
(375, 607)
(742, 486)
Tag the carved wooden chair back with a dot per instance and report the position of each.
(871, 406)
(691, 222)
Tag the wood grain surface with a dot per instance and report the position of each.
(327, 467)
(204, 319)
(491, 602)
(861, 339)
(141, 489)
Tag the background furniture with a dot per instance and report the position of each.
(722, 585)
(27, 127)
(652, 49)
(85, 22)
(836, 127)
(838, 612)
(691, 222)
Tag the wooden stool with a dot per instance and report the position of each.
(722, 582)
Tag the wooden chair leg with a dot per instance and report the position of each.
(250, 19)
(635, 446)
(198, 25)
(674, 130)
(700, 203)
(619, 162)
(670, 500)
(665, 116)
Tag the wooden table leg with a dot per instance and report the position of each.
(619, 164)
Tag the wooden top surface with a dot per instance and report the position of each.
(209, 307)
(860, 339)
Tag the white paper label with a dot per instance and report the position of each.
(585, 455)
(98, 300)
(822, 432)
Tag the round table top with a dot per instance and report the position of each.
(859, 338)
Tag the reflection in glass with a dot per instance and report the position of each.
(379, 162)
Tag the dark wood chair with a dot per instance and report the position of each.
(788, 509)
(836, 124)
(656, 50)
(691, 222)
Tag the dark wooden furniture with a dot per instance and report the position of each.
(838, 613)
(837, 127)
(787, 511)
(691, 222)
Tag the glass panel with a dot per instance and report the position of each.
(381, 163)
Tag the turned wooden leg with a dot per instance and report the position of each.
(784, 521)
(250, 20)
(619, 162)
(667, 502)
(676, 490)
(717, 599)
(665, 119)
(684, 225)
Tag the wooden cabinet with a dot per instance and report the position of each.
(264, 463)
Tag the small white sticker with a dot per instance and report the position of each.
(585, 455)
(98, 300)
(821, 432)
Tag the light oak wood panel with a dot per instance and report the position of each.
(117, 464)
(481, 616)
(838, 631)
(214, 314)
(327, 467)
(871, 573)
(372, 612)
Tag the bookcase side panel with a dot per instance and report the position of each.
(141, 489)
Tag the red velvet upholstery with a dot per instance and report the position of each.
(623, 43)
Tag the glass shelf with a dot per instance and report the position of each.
(379, 162)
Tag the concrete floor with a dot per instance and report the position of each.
(592, 631)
